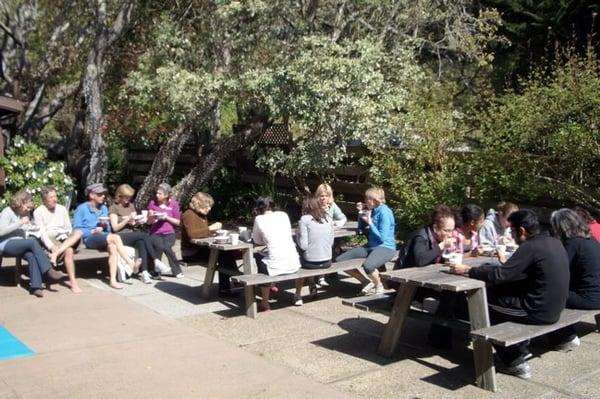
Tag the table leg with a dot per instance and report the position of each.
(210, 273)
(483, 357)
(393, 329)
(249, 295)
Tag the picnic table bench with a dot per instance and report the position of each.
(510, 333)
(82, 254)
(250, 277)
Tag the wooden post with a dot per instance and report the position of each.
(393, 329)
(483, 356)
(210, 273)
(249, 296)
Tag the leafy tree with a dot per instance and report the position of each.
(541, 142)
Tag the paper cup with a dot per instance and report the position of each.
(145, 214)
(241, 229)
(235, 238)
(455, 259)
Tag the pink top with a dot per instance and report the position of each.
(162, 227)
(460, 239)
(595, 230)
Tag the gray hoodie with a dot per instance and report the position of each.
(491, 229)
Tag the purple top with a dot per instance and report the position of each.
(163, 227)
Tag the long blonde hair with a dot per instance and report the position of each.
(325, 188)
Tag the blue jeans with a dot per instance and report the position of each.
(375, 257)
(96, 241)
(36, 258)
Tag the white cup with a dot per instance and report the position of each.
(235, 238)
(455, 258)
(241, 229)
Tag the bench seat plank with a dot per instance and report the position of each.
(256, 279)
(509, 333)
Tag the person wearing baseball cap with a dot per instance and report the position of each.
(91, 217)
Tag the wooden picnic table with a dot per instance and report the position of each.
(436, 277)
(248, 265)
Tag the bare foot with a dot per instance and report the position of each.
(74, 287)
(136, 265)
(115, 286)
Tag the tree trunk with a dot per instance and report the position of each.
(205, 169)
(163, 165)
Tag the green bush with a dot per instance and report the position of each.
(27, 168)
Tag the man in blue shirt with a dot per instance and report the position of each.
(91, 218)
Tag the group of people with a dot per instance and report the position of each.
(539, 273)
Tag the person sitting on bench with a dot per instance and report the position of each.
(531, 287)
(273, 229)
(91, 217)
(315, 239)
(584, 264)
(123, 220)
(194, 225)
(377, 220)
(59, 235)
(14, 221)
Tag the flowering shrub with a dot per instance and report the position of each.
(26, 167)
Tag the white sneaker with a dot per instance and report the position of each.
(521, 370)
(145, 277)
(569, 345)
(322, 282)
(180, 275)
(161, 267)
(367, 288)
(379, 289)
(298, 301)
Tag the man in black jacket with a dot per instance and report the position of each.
(531, 287)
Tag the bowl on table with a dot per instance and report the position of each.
(222, 240)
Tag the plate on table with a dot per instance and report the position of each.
(222, 240)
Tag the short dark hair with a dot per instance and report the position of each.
(567, 223)
(263, 204)
(441, 212)
(470, 212)
(527, 219)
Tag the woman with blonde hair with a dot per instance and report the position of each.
(194, 225)
(324, 194)
(124, 219)
(377, 220)
(14, 221)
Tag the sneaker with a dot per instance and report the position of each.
(145, 277)
(179, 275)
(54, 274)
(322, 282)
(161, 267)
(298, 301)
(379, 289)
(521, 370)
(366, 289)
(568, 346)
(38, 292)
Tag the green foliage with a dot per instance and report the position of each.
(543, 141)
(27, 168)
(428, 167)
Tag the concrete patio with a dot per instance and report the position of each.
(162, 340)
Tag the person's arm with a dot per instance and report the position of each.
(302, 235)
(331, 235)
(114, 220)
(487, 234)
(338, 216)
(422, 254)
(175, 217)
(512, 270)
(257, 236)
(37, 218)
(79, 222)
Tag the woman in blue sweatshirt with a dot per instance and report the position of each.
(377, 220)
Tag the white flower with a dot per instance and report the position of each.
(13, 163)
(29, 165)
(33, 175)
(50, 175)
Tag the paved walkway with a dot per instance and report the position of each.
(164, 341)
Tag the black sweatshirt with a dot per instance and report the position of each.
(584, 262)
(542, 265)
